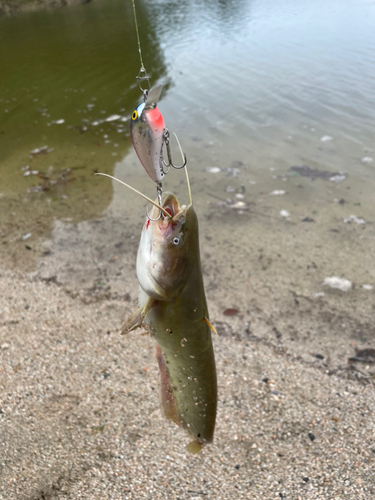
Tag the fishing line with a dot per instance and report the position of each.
(186, 172)
(168, 215)
(139, 42)
(142, 75)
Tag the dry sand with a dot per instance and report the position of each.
(80, 418)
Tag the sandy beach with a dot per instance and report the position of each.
(79, 405)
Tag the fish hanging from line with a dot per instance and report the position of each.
(173, 310)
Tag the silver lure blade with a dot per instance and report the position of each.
(153, 97)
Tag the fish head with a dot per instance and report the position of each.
(168, 250)
(147, 131)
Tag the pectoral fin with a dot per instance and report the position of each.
(207, 321)
(135, 320)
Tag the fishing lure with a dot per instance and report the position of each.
(149, 135)
(173, 310)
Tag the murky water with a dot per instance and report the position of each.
(252, 88)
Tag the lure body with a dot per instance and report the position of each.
(147, 130)
(173, 309)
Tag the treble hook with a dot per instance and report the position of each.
(170, 163)
(159, 191)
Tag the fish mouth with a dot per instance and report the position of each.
(177, 215)
(171, 205)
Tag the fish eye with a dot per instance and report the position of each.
(176, 241)
(134, 115)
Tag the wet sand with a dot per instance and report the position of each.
(79, 403)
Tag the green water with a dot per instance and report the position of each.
(250, 85)
(76, 65)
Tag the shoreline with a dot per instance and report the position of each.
(9, 8)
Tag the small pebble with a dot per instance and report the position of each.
(284, 213)
(326, 138)
(354, 218)
(337, 178)
(112, 118)
(367, 287)
(230, 311)
(277, 192)
(336, 282)
(37, 151)
(311, 436)
(239, 205)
